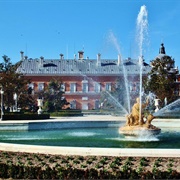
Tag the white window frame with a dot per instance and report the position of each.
(108, 86)
(31, 85)
(85, 106)
(63, 87)
(96, 104)
(73, 104)
(85, 86)
(72, 87)
(40, 86)
(97, 87)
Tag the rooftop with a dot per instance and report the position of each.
(66, 67)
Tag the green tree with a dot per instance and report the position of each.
(161, 79)
(12, 82)
(53, 96)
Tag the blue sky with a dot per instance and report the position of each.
(50, 27)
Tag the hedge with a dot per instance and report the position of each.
(25, 116)
(67, 113)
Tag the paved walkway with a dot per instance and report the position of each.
(90, 151)
(83, 118)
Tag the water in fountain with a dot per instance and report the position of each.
(113, 39)
(142, 29)
(171, 109)
(117, 102)
(113, 99)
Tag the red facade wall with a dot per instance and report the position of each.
(81, 98)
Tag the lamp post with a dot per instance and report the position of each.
(2, 110)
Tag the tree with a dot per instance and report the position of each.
(161, 79)
(53, 96)
(12, 82)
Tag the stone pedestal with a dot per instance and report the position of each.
(137, 130)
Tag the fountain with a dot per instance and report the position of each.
(136, 121)
(79, 132)
(170, 110)
(115, 43)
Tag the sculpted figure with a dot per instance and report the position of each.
(134, 118)
(137, 120)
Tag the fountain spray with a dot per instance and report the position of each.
(135, 124)
(116, 44)
(142, 27)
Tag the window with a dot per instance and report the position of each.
(31, 85)
(132, 87)
(85, 86)
(85, 106)
(108, 87)
(63, 87)
(40, 86)
(31, 88)
(137, 87)
(73, 87)
(96, 105)
(73, 104)
(97, 87)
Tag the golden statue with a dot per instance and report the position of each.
(137, 120)
(136, 117)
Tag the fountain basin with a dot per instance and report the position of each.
(88, 131)
(139, 131)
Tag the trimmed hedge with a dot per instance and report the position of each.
(168, 117)
(18, 116)
(67, 113)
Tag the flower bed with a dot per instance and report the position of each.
(41, 166)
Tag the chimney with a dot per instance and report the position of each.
(61, 56)
(25, 57)
(74, 56)
(98, 59)
(41, 60)
(81, 55)
(22, 55)
(119, 59)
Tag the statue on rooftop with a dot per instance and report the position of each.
(162, 49)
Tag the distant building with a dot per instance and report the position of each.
(84, 79)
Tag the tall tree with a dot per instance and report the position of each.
(12, 82)
(53, 96)
(161, 79)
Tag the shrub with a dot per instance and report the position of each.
(67, 113)
(25, 116)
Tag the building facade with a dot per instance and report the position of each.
(83, 79)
